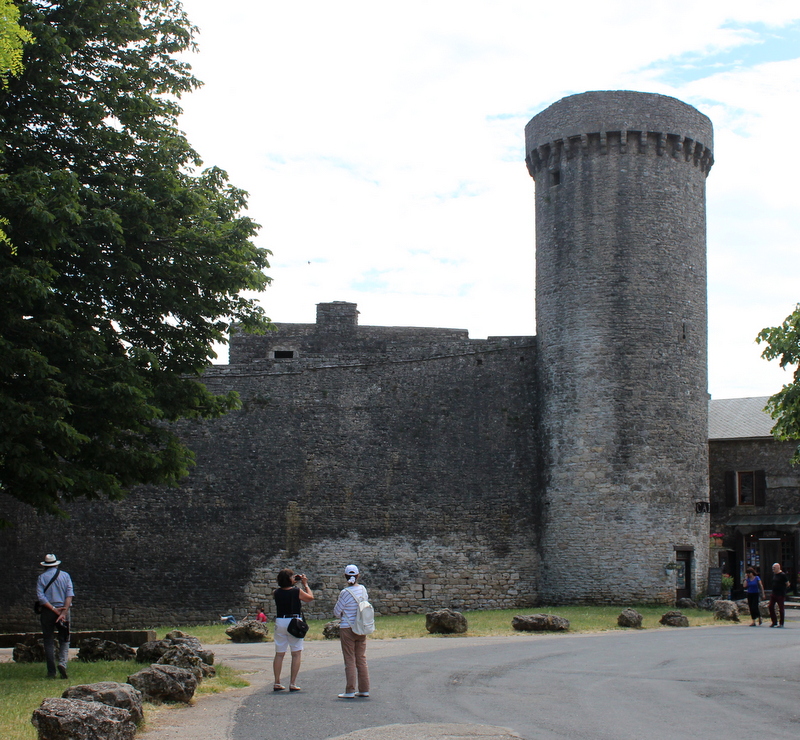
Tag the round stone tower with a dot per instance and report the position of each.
(621, 326)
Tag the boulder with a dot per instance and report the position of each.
(540, 623)
(29, 652)
(248, 630)
(707, 603)
(726, 610)
(674, 619)
(93, 649)
(176, 637)
(446, 622)
(72, 719)
(629, 618)
(184, 657)
(111, 693)
(152, 650)
(686, 604)
(331, 630)
(160, 683)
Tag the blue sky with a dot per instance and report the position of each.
(382, 146)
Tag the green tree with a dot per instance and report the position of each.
(12, 38)
(128, 261)
(783, 342)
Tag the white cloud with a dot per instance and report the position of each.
(383, 149)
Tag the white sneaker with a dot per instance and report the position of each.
(346, 695)
(362, 693)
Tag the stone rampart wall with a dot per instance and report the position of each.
(422, 472)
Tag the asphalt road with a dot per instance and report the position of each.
(717, 682)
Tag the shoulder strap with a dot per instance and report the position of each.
(357, 599)
(52, 580)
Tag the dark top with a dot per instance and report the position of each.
(287, 602)
(779, 582)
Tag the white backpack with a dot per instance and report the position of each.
(365, 616)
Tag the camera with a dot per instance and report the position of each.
(298, 578)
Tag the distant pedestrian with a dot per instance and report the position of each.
(755, 594)
(54, 593)
(261, 617)
(778, 595)
(354, 646)
(293, 591)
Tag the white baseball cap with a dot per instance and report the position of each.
(351, 570)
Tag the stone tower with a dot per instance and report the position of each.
(621, 325)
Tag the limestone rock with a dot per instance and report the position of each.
(726, 610)
(93, 649)
(445, 621)
(248, 630)
(111, 693)
(184, 657)
(160, 683)
(331, 630)
(540, 623)
(150, 652)
(629, 618)
(72, 719)
(686, 604)
(707, 603)
(176, 637)
(674, 619)
(29, 652)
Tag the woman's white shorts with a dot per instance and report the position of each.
(283, 639)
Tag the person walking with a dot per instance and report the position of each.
(755, 594)
(778, 595)
(354, 646)
(54, 593)
(292, 592)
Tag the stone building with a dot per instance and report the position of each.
(755, 492)
(571, 466)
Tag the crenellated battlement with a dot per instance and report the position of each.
(549, 156)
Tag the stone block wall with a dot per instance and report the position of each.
(421, 471)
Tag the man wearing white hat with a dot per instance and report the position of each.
(54, 593)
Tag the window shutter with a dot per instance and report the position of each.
(730, 488)
(760, 480)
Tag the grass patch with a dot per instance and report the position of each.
(23, 687)
(481, 623)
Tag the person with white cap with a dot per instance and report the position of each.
(354, 646)
(54, 594)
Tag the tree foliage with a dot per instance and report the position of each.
(12, 39)
(128, 262)
(783, 343)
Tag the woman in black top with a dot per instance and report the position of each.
(293, 592)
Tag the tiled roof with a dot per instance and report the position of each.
(739, 418)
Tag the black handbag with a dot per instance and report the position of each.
(297, 627)
(37, 607)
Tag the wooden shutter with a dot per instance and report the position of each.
(730, 488)
(760, 487)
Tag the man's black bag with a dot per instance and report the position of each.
(297, 627)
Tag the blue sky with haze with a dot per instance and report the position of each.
(383, 149)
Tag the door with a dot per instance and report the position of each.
(683, 575)
(769, 549)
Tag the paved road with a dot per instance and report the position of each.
(731, 681)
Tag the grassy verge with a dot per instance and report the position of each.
(481, 623)
(23, 688)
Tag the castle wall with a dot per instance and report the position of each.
(421, 471)
(621, 326)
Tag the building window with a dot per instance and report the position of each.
(284, 354)
(746, 488)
